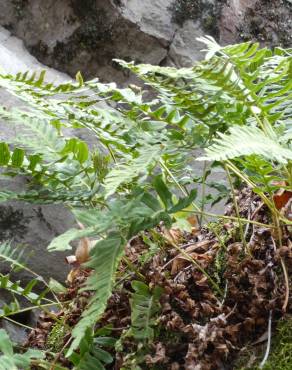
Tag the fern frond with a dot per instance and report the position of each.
(144, 309)
(90, 356)
(137, 166)
(13, 255)
(35, 133)
(241, 141)
(15, 288)
(14, 361)
(104, 260)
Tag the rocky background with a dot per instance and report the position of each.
(74, 35)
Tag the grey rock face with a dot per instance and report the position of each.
(178, 54)
(266, 22)
(73, 35)
(32, 226)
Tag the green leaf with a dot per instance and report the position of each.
(5, 344)
(61, 242)
(4, 154)
(144, 308)
(17, 157)
(137, 166)
(163, 192)
(56, 287)
(79, 79)
(82, 154)
(105, 257)
(184, 202)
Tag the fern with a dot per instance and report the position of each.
(14, 361)
(246, 141)
(238, 100)
(125, 173)
(104, 260)
(144, 308)
(15, 288)
(90, 356)
(13, 255)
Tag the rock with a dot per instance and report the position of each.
(87, 35)
(232, 16)
(178, 54)
(268, 22)
(33, 226)
(15, 58)
(17, 333)
(70, 35)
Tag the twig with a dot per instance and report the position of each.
(256, 210)
(18, 323)
(262, 364)
(232, 218)
(225, 293)
(203, 194)
(286, 278)
(286, 300)
(181, 272)
(236, 209)
(247, 225)
(57, 357)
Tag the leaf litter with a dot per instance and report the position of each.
(197, 328)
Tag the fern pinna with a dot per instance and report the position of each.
(236, 105)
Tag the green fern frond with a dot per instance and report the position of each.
(90, 357)
(144, 309)
(241, 141)
(104, 260)
(15, 288)
(14, 361)
(36, 134)
(13, 255)
(137, 166)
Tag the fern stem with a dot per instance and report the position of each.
(18, 323)
(224, 217)
(133, 268)
(31, 308)
(236, 209)
(182, 189)
(24, 267)
(203, 193)
(265, 199)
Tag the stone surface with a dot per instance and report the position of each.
(268, 22)
(87, 36)
(232, 17)
(178, 54)
(33, 226)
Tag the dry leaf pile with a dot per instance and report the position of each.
(199, 328)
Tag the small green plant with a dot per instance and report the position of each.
(14, 361)
(234, 106)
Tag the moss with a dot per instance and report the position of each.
(186, 9)
(55, 340)
(269, 23)
(204, 11)
(281, 353)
